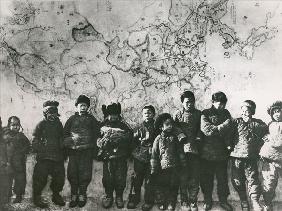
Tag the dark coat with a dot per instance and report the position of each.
(115, 141)
(81, 132)
(214, 144)
(143, 140)
(189, 122)
(166, 152)
(247, 137)
(47, 140)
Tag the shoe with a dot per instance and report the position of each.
(245, 206)
(74, 201)
(207, 206)
(255, 202)
(194, 206)
(185, 206)
(82, 200)
(171, 207)
(119, 202)
(147, 206)
(107, 201)
(162, 207)
(225, 205)
(18, 199)
(58, 200)
(133, 201)
(39, 202)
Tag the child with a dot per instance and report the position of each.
(47, 143)
(114, 151)
(143, 142)
(247, 140)
(271, 154)
(188, 120)
(214, 151)
(80, 137)
(166, 159)
(19, 145)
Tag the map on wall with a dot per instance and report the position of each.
(135, 52)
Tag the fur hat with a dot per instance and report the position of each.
(161, 119)
(187, 94)
(82, 99)
(275, 105)
(50, 106)
(250, 104)
(114, 108)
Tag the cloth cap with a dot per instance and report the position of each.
(82, 99)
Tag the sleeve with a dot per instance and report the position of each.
(37, 138)
(155, 161)
(262, 131)
(67, 139)
(207, 127)
(26, 145)
(181, 136)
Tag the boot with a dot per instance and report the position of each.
(107, 201)
(171, 207)
(245, 205)
(119, 202)
(18, 199)
(74, 201)
(207, 205)
(58, 199)
(185, 206)
(82, 200)
(133, 201)
(39, 202)
(255, 202)
(225, 205)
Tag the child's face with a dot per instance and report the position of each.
(167, 125)
(188, 103)
(113, 117)
(15, 125)
(218, 105)
(277, 115)
(246, 112)
(147, 115)
(82, 108)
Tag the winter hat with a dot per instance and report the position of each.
(112, 109)
(250, 104)
(275, 105)
(82, 99)
(161, 119)
(151, 108)
(50, 106)
(187, 94)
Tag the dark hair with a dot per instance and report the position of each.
(151, 108)
(219, 97)
(16, 118)
(161, 119)
(187, 94)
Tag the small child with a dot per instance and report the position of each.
(214, 152)
(167, 157)
(114, 144)
(188, 119)
(271, 154)
(47, 143)
(18, 146)
(80, 138)
(247, 141)
(143, 141)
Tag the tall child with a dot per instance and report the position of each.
(214, 151)
(114, 144)
(80, 137)
(247, 141)
(47, 143)
(271, 154)
(188, 119)
(166, 160)
(144, 137)
(18, 147)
